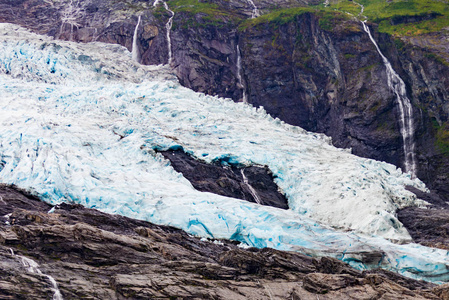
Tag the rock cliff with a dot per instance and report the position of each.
(93, 255)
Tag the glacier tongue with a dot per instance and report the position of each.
(80, 123)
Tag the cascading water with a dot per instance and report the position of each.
(255, 12)
(239, 74)
(251, 189)
(397, 85)
(71, 13)
(135, 50)
(168, 27)
(33, 267)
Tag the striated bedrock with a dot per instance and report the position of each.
(254, 183)
(100, 256)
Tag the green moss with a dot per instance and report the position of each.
(442, 137)
(202, 14)
(429, 15)
(399, 44)
(436, 58)
(327, 18)
(277, 17)
(347, 6)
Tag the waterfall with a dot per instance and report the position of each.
(251, 189)
(135, 50)
(70, 15)
(255, 12)
(396, 84)
(239, 74)
(33, 267)
(168, 27)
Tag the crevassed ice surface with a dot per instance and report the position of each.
(81, 123)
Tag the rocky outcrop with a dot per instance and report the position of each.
(254, 183)
(325, 81)
(94, 255)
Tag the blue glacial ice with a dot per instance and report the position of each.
(81, 123)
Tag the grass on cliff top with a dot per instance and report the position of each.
(210, 12)
(385, 12)
(282, 16)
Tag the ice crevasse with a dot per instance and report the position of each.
(81, 123)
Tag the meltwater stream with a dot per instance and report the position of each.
(255, 12)
(135, 50)
(397, 85)
(168, 27)
(84, 123)
(239, 75)
(33, 267)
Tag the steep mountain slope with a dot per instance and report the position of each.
(94, 255)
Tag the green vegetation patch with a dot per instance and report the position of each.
(210, 12)
(276, 18)
(401, 17)
(442, 137)
(347, 7)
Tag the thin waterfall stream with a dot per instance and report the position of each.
(251, 189)
(255, 12)
(33, 267)
(397, 85)
(239, 74)
(135, 50)
(168, 27)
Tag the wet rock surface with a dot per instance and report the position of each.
(428, 226)
(95, 255)
(254, 184)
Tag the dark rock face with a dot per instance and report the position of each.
(205, 55)
(229, 181)
(429, 227)
(330, 82)
(94, 255)
(427, 76)
(93, 20)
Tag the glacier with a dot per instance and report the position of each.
(82, 123)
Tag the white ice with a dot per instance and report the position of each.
(81, 123)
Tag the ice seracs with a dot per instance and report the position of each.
(82, 123)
